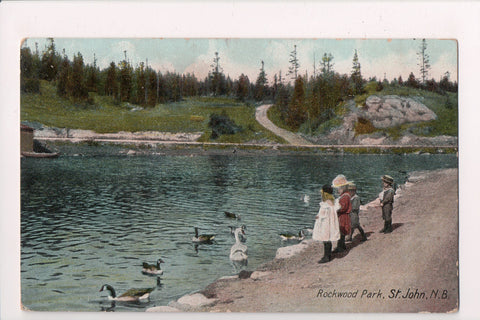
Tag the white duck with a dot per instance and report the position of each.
(238, 252)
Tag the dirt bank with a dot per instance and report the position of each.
(413, 269)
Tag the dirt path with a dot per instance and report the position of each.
(290, 137)
(413, 269)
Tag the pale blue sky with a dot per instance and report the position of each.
(377, 57)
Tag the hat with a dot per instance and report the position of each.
(352, 186)
(387, 179)
(339, 181)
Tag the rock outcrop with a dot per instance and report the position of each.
(391, 111)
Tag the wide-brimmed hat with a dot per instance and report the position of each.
(340, 181)
(352, 186)
(387, 179)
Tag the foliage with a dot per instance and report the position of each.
(107, 116)
(364, 126)
(297, 113)
(356, 75)
(222, 124)
(294, 64)
(424, 61)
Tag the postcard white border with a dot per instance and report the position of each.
(247, 19)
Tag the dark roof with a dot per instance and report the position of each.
(25, 128)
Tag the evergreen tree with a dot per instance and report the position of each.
(218, 85)
(140, 84)
(400, 80)
(76, 87)
(28, 71)
(327, 65)
(111, 86)
(242, 88)
(63, 76)
(126, 75)
(411, 81)
(261, 84)
(49, 63)
(93, 76)
(356, 75)
(424, 61)
(294, 64)
(297, 113)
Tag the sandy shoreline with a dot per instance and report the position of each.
(413, 269)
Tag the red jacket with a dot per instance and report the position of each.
(345, 204)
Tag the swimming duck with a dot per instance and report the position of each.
(203, 238)
(232, 215)
(153, 269)
(290, 236)
(129, 295)
(238, 252)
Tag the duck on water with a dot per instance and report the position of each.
(129, 295)
(202, 238)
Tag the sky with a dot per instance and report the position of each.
(379, 58)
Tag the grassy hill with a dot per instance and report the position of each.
(445, 107)
(104, 116)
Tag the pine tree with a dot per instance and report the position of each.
(92, 77)
(411, 81)
(218, 85)
(261, 84)
(424, 61)
(327, 65)
(356, 75)
(126, 75)
(242, 88)
(297, 113)
(76, 87)
(63, 76)
(294, 64)
(111, 86)
(49, 63)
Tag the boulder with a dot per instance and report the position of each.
(390, 111)
(196, 300)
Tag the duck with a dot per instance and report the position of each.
(152, 269)
(306, 198)
(238, 252)
(129, 295)
(203, 238)
(232, 215)
(290, 236)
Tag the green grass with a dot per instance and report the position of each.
(105, 116)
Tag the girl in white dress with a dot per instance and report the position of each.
(326, 226)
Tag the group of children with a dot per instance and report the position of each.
(336, 221)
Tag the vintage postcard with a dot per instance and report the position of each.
(239, 175)
(236, 157)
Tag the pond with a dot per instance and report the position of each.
(88, 221)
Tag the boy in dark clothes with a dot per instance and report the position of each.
(387, 203)
(355, 220)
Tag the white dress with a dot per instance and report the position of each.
(326, 227)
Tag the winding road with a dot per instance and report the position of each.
(290, 137)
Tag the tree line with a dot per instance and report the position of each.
(311, 98)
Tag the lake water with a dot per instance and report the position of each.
(89, 221)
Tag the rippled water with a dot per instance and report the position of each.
(86, 221)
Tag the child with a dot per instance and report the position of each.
(340, 183)
(355, 220)
(326, 227)
(387, 203)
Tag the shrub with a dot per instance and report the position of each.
(364, 126)
(222, 124)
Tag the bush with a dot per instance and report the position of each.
(222, 124)
(364, 126)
